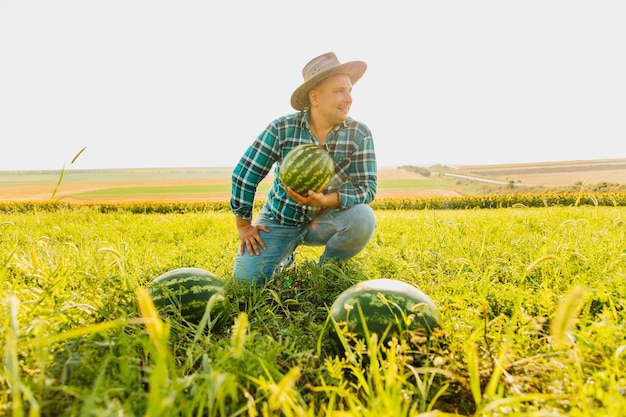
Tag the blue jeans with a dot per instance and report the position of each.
(344, 233)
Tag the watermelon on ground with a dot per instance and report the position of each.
(389, 307)
(307, 167)
(185, 292)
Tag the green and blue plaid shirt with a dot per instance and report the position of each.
(350, 144)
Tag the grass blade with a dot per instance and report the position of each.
(566, 316)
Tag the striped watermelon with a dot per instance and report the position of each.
(388, 305)
(307, 167)
(185, 292)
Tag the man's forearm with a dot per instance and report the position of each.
(240, 222)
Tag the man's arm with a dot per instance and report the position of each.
(250, 237)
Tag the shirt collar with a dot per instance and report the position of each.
(304, 121)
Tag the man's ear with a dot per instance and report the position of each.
(313, 97)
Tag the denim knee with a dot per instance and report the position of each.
(364, 221)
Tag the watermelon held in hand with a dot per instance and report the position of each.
(185, 293)
(307, 167)
(387, 307)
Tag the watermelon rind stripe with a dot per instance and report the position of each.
(388, 307)
(186, 291)
(307, 167)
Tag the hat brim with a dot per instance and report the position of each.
(354, 69)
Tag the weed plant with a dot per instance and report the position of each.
(531, 303)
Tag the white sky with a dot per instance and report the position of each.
(145, 83)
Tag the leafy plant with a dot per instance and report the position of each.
(531, 301)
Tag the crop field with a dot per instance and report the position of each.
(189, 184)
(555, 173)
(531, 292)
(213, 184)
(531, 300)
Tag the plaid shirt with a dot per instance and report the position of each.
(351, 145)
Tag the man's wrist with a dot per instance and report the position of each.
(241, 222)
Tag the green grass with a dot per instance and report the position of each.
(532, 304)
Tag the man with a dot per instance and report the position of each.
(337, 218)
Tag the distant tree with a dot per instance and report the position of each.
(424, 172)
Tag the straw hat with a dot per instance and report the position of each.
(320, 68)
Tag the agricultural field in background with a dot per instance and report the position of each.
(532, 305)
(555, 174)
(213, 184)
(189, 184)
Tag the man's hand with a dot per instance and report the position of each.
(314, 199)
(250, 237)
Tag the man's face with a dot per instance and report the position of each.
(333, 98)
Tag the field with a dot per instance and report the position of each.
(555, 174)
(531, 302)
(189, 184)
(213, 184)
